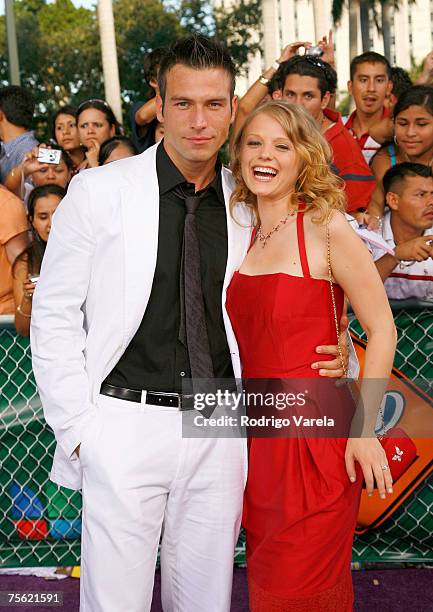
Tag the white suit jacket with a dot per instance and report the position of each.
(94, 287)
(95, 283)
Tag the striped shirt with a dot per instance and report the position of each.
(366, 143)
(12, 152)
(409, 279)
(349, 164)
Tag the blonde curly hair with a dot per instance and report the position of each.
(316, 185)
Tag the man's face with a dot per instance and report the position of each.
(304, 90)
(197, 113)
(369, 87)
(412, 202)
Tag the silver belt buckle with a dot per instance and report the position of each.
(181, 398)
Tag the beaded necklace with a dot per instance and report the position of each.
(265, 237)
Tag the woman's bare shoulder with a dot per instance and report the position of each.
(339, 226)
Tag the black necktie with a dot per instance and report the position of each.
(192, 328)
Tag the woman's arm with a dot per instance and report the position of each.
(146, 113)
(23, 294)
(13, 180)
(258, 91)
(354, 270)
(379, 165)
(383, 130)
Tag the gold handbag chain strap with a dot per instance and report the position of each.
(331, 284)
(337, 328)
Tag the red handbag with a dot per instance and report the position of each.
(400, 450)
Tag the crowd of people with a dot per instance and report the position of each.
(272, 238)
(390, 127)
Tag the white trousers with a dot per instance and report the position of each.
(141, 479)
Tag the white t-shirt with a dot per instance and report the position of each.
(409, 279)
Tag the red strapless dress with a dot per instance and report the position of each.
(300, 508)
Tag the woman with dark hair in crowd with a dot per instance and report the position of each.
(36, 173)
(96, 123)
(413, 139)
(42, 203)
(64, 131)
(116, 148)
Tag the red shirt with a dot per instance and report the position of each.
(349, 164)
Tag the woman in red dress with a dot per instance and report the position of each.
(302, 494)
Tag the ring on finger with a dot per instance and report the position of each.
(384, 467)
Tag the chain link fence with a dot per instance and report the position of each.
(40, 522)
(407, 536)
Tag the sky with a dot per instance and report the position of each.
(85, 3)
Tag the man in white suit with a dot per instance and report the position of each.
(109, 362)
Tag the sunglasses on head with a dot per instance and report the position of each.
(92, 101)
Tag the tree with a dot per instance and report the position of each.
(383, 19)
(239, 28)
(140, 28)
(237, 24)
(59, 52)
(197, 16)
(337, 11)
(386, 14)
(107, 36)
(353, 27)
(364, 14)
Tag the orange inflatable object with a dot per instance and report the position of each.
(412, 410)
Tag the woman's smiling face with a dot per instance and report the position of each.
(269, 163)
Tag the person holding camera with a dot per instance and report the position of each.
(45, 166)
(310, 81)
(269, 79)
(42, 204)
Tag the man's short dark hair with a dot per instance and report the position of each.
(18, 105)
(396, 175)
(401, 81)
(305, 65)
(197, 52)
(370, 57)
(152, 62)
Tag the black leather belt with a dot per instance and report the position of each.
(155, 398)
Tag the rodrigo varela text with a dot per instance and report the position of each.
(263, 421)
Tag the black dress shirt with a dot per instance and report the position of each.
(155, 359)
